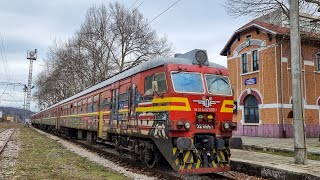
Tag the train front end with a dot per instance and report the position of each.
(200, 109)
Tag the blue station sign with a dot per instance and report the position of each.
(250, 81)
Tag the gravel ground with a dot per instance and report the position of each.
(9, 156)
(97, 159)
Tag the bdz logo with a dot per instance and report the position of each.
(206, 102)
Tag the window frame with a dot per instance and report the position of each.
(95, 103)
(89, 104)
(207, 88)
(318, 62)
(203, 84)
(84, 105)
(75, 107)
(145, 84)
(165, 78)
(153, 76)
(242, 64)
(253, 60)
(248, 121)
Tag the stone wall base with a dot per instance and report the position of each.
(275, 131)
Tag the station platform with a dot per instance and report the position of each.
(273, 166)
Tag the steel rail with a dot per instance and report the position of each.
(6, 139)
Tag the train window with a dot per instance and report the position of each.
(65, 110)
(218, 85)
(162, 82)
(123, 101)
(95, 103)
(69, 107)
(104, 104)
(84, 107)
(75, 108)
(148, 85)
(89, 105)
(187, 82)
(79, 107)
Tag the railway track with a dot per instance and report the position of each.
(125, 160)
(5, 136)
(128, 162)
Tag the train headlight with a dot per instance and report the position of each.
(180, 125)
(201, 57)
(187, 125)
(226, 126)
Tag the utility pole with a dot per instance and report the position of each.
(300, 154)
(32, 56)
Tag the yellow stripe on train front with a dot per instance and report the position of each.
(186, 107)
(225, 109)
(186, 157)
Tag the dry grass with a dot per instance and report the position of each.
(43, 158)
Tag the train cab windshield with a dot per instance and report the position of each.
(187, 82)
(218, 85)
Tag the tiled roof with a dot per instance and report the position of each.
(271, 28)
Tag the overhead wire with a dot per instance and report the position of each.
(4, 57)
(138, 6)
(4, 64)
(6, 73)
(133, 4)
(163, 12)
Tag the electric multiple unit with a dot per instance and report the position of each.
(178, 108)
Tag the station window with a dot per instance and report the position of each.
(251, 109)
(318, 61)
(255, 60)
(248, 39)
(244, 62)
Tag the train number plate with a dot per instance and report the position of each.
(204, 126)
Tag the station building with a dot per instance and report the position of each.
(258, 59)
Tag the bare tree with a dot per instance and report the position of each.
(135, 42)
(257, 8)
(111, 39)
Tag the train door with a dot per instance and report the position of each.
(132, 106)
(105, 113)
(100, 115)
(58, 117)
(114, 110)
(55, 114)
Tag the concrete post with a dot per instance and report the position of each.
(300, 155)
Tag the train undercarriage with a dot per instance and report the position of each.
(204, 154)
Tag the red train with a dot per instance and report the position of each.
(178, 108)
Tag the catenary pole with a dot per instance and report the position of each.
(300, 155)
(32, 56)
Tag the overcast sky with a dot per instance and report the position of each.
(34, 24)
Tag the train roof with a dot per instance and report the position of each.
(150, 64)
